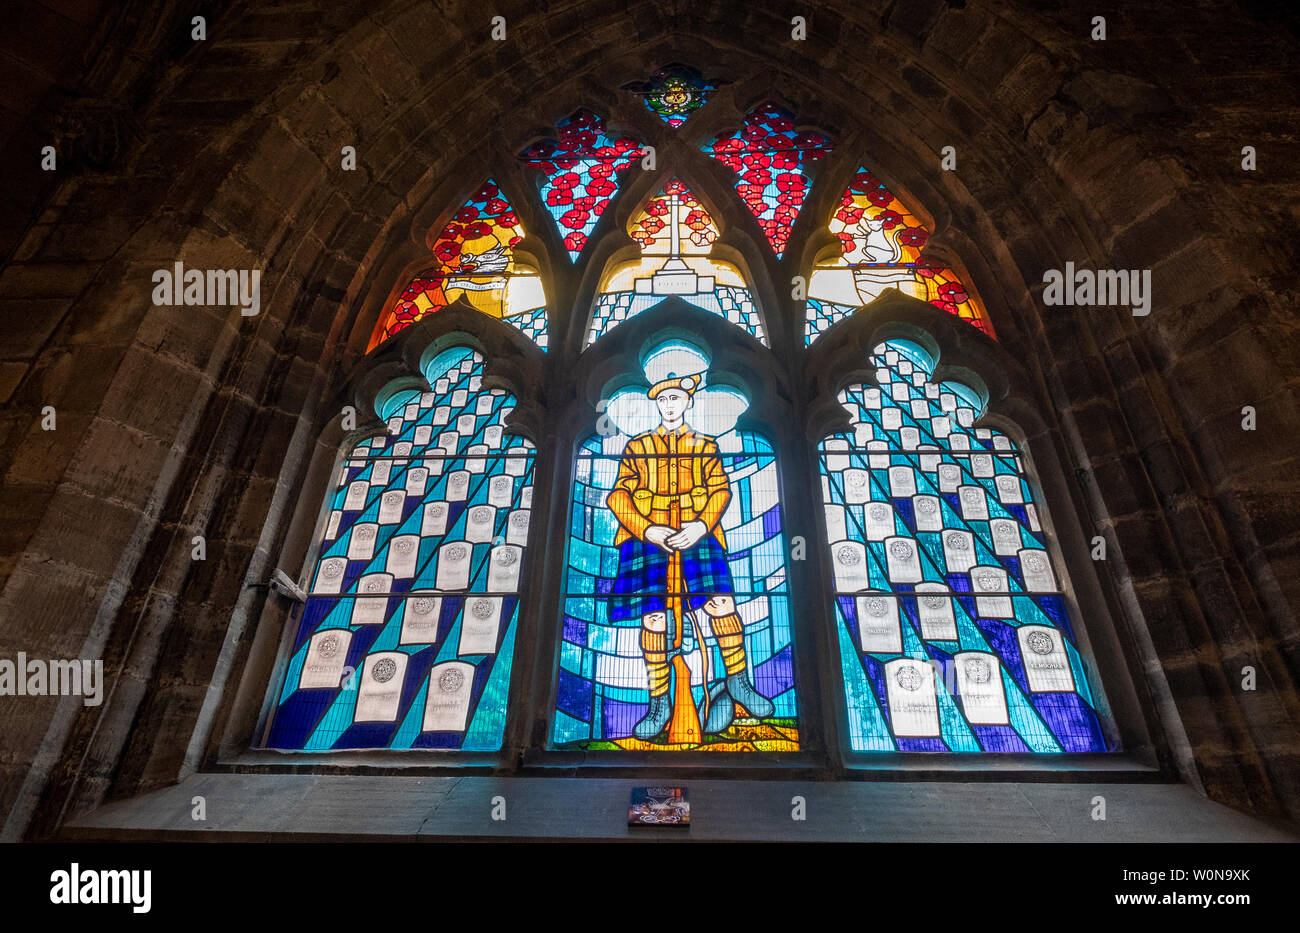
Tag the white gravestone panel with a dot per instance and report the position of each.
(441, 415)
(836, 523)
(913, 705)
(436, 465)
(1047, 667)
(1032, 512)
(940, 426)
(403, 555)
(517, 527)
(1037, 571)
(857, 486)
(411, 411)
(394, 424)
(891, 418)
(355, 500)
(516, 466)
(877, 461)
(929, 462)
(391, 505)
(902, 482)
(910, 437)
(454, 560)
(959, 442)
(899, 391)
(920, 410)
(526, 497)
(981, 465)
(417, 478)
(929, 514)
(879, 520)
(871, 398)
(459, 398)
(479, 625)
(427, 399)
(958, 551)
(501, 489)
(492, 436)
(483, 405)
(380, 695)
(446, 705)
(371, 604)
(329, 576)
(423, 434)
(850, 563)
(991, 580)
(836, 462)
(361, 542)
(458, 486)
(935, 611)
(480, 524)
(332, 526)
(503, 568)
(380, 472)
(400, 451)
(327, 653)
(1006, 536)
(475, 458)
(420, 612)
(449, 441)
(949, 477)
(862, 434)
(878, 628)
(434, 521)
(974, 503)
(903, 560)
(979, 682)
(1009, 488)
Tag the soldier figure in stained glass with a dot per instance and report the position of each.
(669, 498)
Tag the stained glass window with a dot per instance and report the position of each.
(676, 235)
(677, 626)
(674, 93)
(773, 163)
(474, 258)
(953, 629)
(408, 632)
(581, 173)
(881, 246)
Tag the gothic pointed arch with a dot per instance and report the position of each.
(881, 245)
(676, 234)
(474, 258)
(953, 614)
(406, 636)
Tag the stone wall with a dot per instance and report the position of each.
(224, 153)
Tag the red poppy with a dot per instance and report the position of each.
(913, 236)
(496, 206)
(575, 241)
(575, 219)
(488, 191)
(889, 219)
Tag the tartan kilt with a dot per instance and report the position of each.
(643, 577)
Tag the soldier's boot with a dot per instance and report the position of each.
(731, 640)
(743, 692)
(721, 710)
(655, 718)
(654, 647)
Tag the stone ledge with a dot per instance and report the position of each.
(303, 808)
